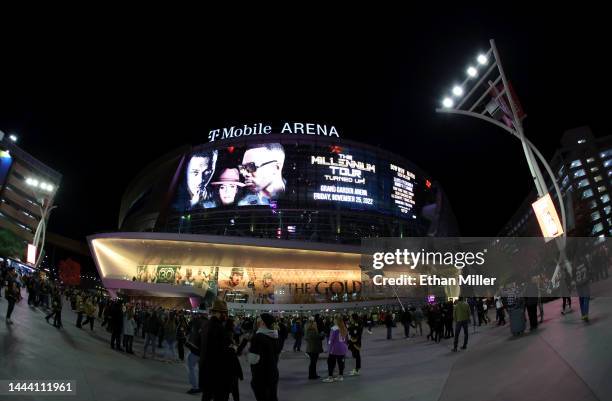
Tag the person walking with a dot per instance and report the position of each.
(566, 291)
(389, 324)
(313, 347)
(499, 310)
(80, 308)
(151, 328)
(418, 320)
(438, 322)
(338, 339)
(447, 317)
(11, 294)
(56, 308)
(181, 335)
(541, 293)
(531, 303)
(583, 286)
(193, 345)
(298, 333)
(406, 320)
(355, 330)
(263, 358)
(90, 311)
(461, 316)
(170, 336)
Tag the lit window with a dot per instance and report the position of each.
(609, 220)
(594, 169)
(607, 163)
(605, 154)
(601, 189)
(595, 216)
(598, 178)
(597, 228)
(592, 204)
(608, 209)
(576, 163)
(583, 183)
(605, 198)
(590, 160)
(579, 173)
(566, 180)
(587, 194)
(581, 141)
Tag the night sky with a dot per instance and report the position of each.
(97, 103)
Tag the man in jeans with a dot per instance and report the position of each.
(461, 316)
(193, 345)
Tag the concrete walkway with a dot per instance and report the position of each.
(565, 359)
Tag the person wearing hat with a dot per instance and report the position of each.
(263, 357)
(227, 186)
(216, 355)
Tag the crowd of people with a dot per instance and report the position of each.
(210, 343)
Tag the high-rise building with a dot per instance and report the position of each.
(583, 167)
(27, 186)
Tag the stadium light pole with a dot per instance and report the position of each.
(494, 101)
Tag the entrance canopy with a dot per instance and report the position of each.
(185, 263)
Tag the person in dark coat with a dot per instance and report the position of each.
(263, 357)
(116, 325)
(406, 320)
(313, 347)
(217, 367)
(236, 368)
(283, 333)
(389, 324)
(355, 330)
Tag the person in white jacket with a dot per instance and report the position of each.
(129, 330)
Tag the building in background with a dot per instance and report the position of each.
(266, 218)
(27, 186)
(583, 166)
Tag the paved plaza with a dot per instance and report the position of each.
(565, 359)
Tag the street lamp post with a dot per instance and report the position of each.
(498, 106)
(44, 194)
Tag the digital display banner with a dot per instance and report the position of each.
(297, 176)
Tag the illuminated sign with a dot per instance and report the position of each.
(345, 170)
(403, 188)
(547, 217)
(265, 129)
(279, 175)
(31, 254)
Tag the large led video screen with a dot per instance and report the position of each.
(276, 175)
